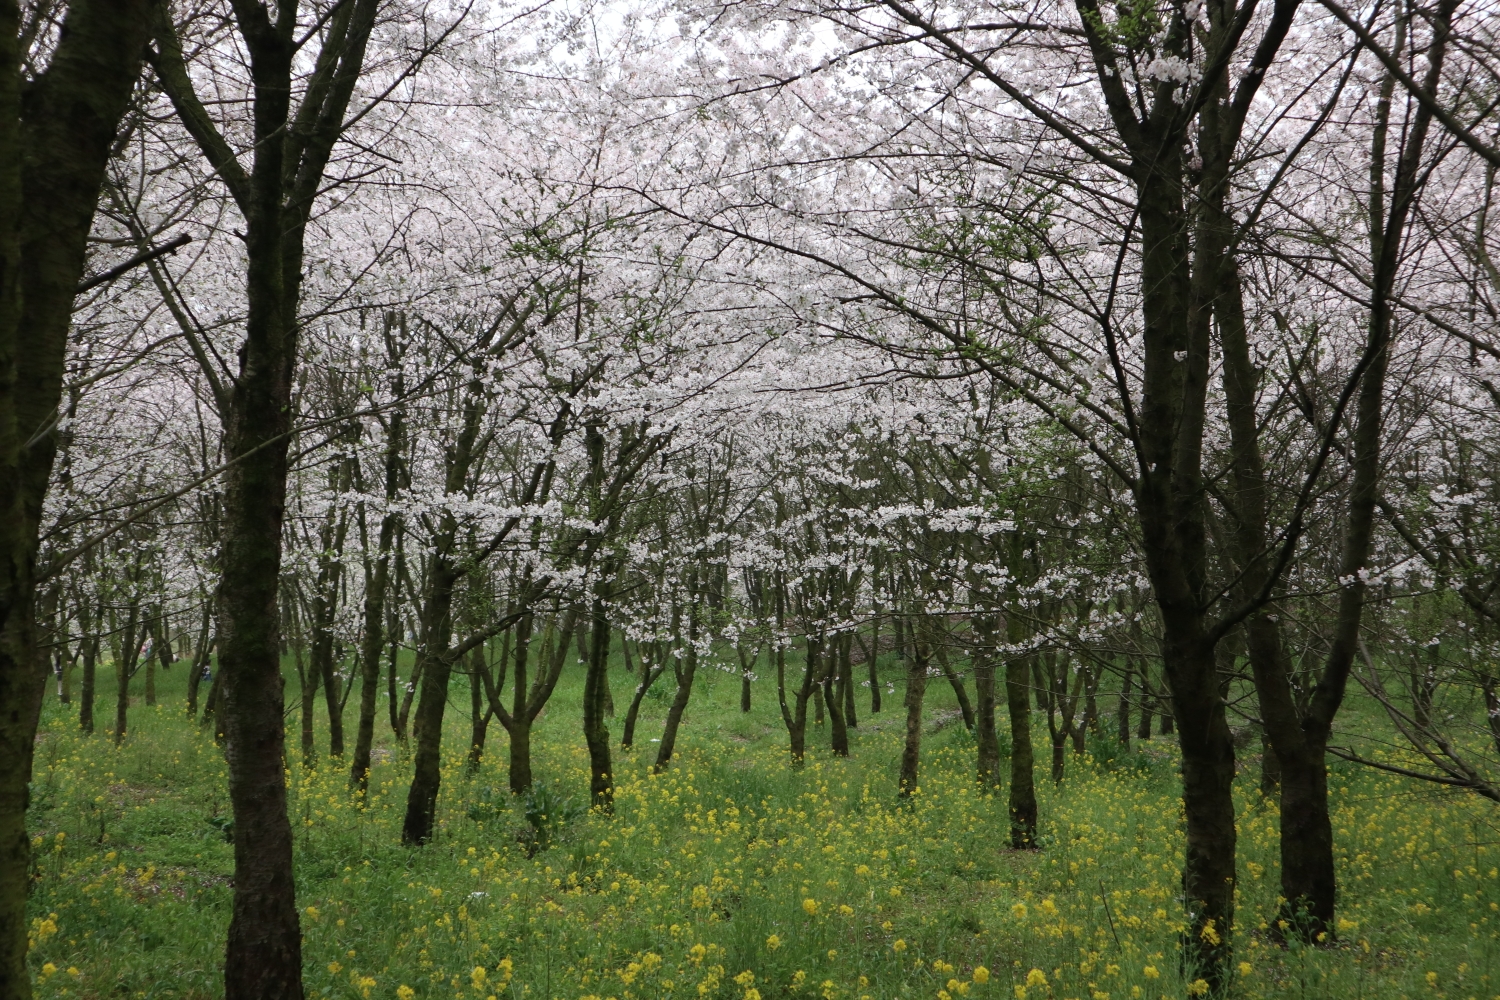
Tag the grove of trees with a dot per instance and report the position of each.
(1129, 363)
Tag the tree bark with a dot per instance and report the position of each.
(685, 670)
(86, 688)
(649, 676)
(201, 655)
(911, 750)
(986, 736)
(595, 732)
(436, 669)
(746, 667)
(834, 671)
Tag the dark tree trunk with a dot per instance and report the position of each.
(846, 680)
(834, 670)
(1143, 729)
(479, 710)
(911, 751)
(86, 690)
(308, 687)
(150, 692)
(1122, 716)
(56, 130)
(263, 955)
(527, 701)
(1023, 809)
(795, 714)
(523, 712)
(746, 667)
(436, 668)
(369, 662)
(595, 732)
(200, 660)
(685, 673)
(649, 676)
(125, 662)
(409, 697)
(986, 736)
(965, 708)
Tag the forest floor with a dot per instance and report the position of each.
(731, 875)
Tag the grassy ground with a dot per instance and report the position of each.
(732, 875)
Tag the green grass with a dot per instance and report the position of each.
(705, 874)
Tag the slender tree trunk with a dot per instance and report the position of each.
(916, 687)
(874, 670)
(523, 712)
(1143, 729)
(372, 642)
(200, 660)
(86, 690)
(479, 717)
(846, 680)
(333, 699)
(1122, 716)
(151, 679)
(1022, 806)
(838, 732)
(595, 732)
(746, 667)
(125, 663)
(409, 696)
(649, 676)
(308, 685)
(392, 681)
(986, 736)
(965, 708)
(685, 675)
(436, 669)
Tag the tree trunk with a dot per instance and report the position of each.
(916, 687)
(986, 736)
(200, 660)
(436, 669)
(151, 680)
(846, 680)
(959, 691)
(1122, 716)
(479, 711)
(834, 670)
(308, 685)
(125, 661)
(649, 676)
(746, 666)
(1147, 710)
(595, 732)
(685, 674)
(372, 641)
(1022, 807)
(56, 129)
(86, 689)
